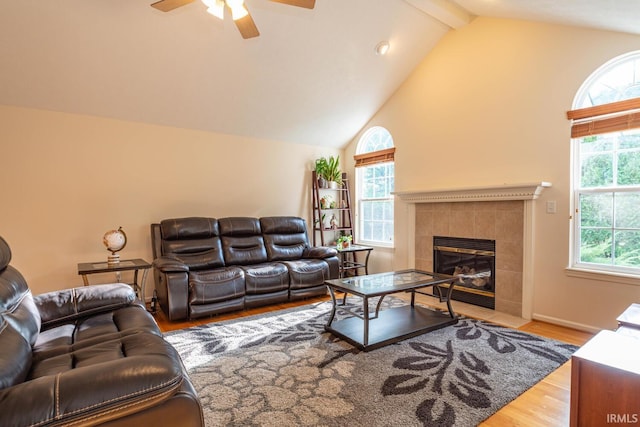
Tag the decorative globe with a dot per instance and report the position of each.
(114, 240)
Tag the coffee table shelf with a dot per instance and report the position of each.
(393, 325)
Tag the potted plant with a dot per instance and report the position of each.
(344, 241)
(325, 201)
(332, 172)
(321, 172)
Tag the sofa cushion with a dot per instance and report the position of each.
(285, 237)
(49, 359)
(242, 241)
(307, 273)
(194, 241)
(243, 250)
(266, 278)
(88, 386)
(191, 228)
(220, 284)
(239, 226)
(121, 322)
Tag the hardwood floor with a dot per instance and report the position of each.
(546, 404)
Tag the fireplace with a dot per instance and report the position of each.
(472, 261)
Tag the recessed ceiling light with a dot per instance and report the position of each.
(382, 48)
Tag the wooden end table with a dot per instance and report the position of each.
(349, 262)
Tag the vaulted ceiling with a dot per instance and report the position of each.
(311, 77)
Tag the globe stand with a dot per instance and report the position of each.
(113, 259)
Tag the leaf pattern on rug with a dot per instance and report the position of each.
(468, 383)
(432, 364)
(504, 340)
(205, 342)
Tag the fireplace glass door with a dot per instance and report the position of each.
(473, 262)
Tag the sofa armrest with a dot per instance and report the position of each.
(319, 252)
(69, 304)
(167, 264)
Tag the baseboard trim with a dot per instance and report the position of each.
(566, 323)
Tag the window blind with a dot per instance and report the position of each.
(613, 117)
(381, 156)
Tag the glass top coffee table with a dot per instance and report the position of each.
(368, 331)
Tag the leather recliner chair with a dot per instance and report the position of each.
(86, 356)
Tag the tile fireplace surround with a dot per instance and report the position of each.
(502, 213)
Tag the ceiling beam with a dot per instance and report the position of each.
(445, 11)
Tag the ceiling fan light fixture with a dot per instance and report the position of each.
(239, 12)
(215, 8)
(382, 48)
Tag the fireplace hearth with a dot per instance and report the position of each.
(473, 262)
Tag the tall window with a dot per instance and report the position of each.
(374, 184)
(606, 181)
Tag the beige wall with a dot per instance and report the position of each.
(486, 107)
(66, 179)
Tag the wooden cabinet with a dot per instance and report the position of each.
(605, 378)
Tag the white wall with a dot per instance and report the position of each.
(488, 106)
(67, 179)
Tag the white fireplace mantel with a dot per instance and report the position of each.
(528, 191)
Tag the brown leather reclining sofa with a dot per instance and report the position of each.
(206, 266)
(86, 356)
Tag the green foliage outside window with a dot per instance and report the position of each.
(609, 200)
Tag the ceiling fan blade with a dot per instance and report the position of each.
(247, 27)
(307, 4)
(169, 5)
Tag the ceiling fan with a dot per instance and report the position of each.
(239, 12)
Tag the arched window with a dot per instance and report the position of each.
(374, 185)
(606, 163)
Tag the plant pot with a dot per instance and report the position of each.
(333, 185)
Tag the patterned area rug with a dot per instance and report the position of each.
(283, 369)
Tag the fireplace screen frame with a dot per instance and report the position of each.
(475, 256)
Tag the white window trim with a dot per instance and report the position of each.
(576, 268)
(608, 276)
(358, 186)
